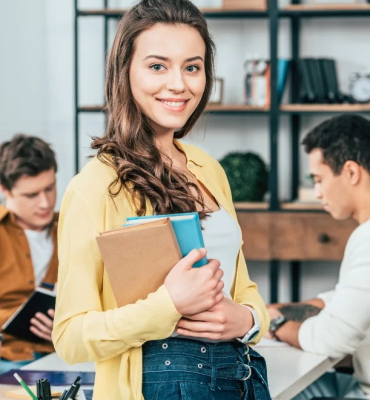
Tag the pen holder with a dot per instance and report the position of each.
(43, 389)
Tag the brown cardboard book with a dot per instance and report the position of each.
(138, 258)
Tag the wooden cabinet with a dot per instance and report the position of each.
(256, 235)
(294, 236)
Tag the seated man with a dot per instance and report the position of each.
(337, 323)
(28, 228)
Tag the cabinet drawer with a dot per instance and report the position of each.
(294, 236)
(309, 236)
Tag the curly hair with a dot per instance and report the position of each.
(142, 169)
(342, 138)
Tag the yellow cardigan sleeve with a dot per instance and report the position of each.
(82, 329)
(246, 291)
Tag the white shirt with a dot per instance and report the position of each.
(343, 326)
(222, 239)
(42, 248)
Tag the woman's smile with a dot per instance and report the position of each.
(174, 105)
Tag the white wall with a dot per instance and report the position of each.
(37, 89)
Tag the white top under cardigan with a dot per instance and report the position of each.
(343, 327)
(222, 240)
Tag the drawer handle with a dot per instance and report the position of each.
(323, 238)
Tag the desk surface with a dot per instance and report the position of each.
(289, 370)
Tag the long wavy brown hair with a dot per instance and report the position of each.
(142, 169)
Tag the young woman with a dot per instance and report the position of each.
(180, 342)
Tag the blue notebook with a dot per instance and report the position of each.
(187, 230)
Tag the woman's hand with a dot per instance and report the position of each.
(226, 320)
(194, 290)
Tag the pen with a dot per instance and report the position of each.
(72, 390)
(77, 380)
(64, 394)
(25, 387)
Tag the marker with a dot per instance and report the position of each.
(72, 390)
(25, 387)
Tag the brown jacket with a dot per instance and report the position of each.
(17, 282)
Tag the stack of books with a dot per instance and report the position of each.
(139, 256)
(319, 82)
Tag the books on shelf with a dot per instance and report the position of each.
(318, 81)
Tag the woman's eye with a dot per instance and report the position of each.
(157, 67)
(192, 68)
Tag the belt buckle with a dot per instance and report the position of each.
(249, 374)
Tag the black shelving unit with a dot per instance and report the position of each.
(273, 14)
(295, 115)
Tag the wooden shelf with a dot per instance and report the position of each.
(212, 108)
(327, 7)
(326, 10)
(251, 206)
(207, 12)
(111, 12)
(236, 108)
(324, 108)
(238, 10)
(298, 206)
(87, 109)
(285, 108)
(264, 206)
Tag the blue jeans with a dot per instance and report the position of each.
(181, 369)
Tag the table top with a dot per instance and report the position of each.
(53, 362)
(289, 370)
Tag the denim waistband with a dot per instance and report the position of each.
(225, 364)
(203, 350)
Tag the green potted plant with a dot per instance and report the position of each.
(247, 174)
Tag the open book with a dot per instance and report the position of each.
(41, 300)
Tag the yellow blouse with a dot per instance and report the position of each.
(88, 326)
